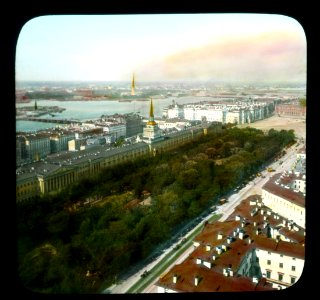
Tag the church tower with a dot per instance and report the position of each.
(152, 132)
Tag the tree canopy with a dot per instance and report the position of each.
(92, 232)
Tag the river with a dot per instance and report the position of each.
(90, 110)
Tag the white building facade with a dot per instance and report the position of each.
(235, 113)
(285, 195)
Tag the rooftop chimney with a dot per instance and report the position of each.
(225, 272)
(219, 250)
(174, 279)
(196, 280)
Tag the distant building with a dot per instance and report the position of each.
(176, 111)
(86, 93)
(96, 141)
(88, 132)
(225, 112)
(77, 144)
(59, 140)
(36, 145)
(21, 154)
(133, 123)
(176, 123)
(291, 110)
(118, 130)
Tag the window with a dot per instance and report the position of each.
(293, 258)
(280, 265)
(269, 253)
(280, 277)
(257, 259)
(293, 280)
(281, 255)
(268, 262)
(268, 274)
(293, 268)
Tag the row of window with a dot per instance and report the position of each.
(284, 203)
(280, 277)
(25, 192)
(293, 268)
(26, 185)
(281, 255)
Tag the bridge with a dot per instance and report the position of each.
(47, 120)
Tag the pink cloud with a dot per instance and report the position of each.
(270, 56)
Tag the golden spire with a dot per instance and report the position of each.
(151, 116)
(151, 109)
(132, 85)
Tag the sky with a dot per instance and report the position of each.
(162, 47)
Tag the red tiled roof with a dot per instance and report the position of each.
(210, 281)
(291, 249)
(213, 280)
(295, 236)
(210, 232)
(288, 194)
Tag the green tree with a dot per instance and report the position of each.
(189, 178)
(303, 102)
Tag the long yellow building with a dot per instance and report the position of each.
(64, 168)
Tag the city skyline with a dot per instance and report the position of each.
(217, 47)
